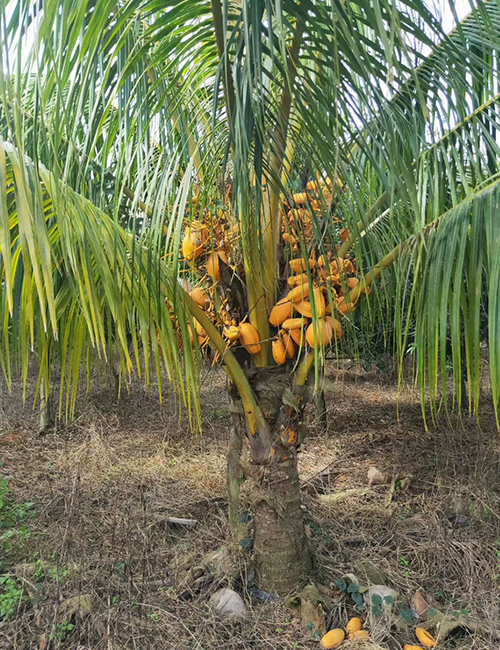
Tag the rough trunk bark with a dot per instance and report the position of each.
(238, 525)
(281, 551)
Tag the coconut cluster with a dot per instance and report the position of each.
(317, 287)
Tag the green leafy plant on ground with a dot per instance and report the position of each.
(11, 596)
(13, 529)
(60, 631)
(13, 533)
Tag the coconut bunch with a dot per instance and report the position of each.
(297, 212)
(317, 288)
(208, 244)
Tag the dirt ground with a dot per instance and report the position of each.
(103, 488)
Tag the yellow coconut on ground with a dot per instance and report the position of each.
(425, 638)
(354, 625)
(333, 638)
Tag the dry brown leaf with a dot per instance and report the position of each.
(376, 477)
(419, 605)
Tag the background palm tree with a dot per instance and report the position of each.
(122, 121)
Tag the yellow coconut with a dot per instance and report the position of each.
(200, 297)
(289, 239)
(194, 240)
(338, 332)
(188, 248)
(303, 307)
(298, 215)
(298, 336)
(352, 282)
(293, 323)
(298, 293)
(250, 338)
(213, 263)
(231, 332)
(333, 638)
(213, 268)
(319, 302)
(199, 329)
(280, 312)
(343, 306)
(313, 186)
(337, 266)
(295, 280)
(319, 334)
(300, 198)
(354, 625)
(298, 265)
(348, 266)
(288, 344)
(279, 352)
(425, 638)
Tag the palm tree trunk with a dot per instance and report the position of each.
(238, 524)
(281, 551)
(45, 415)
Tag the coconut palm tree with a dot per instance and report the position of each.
(170, 171)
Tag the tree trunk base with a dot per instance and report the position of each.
(281, 551)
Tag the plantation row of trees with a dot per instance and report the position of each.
(272, 180)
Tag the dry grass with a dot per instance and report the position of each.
(105, 485)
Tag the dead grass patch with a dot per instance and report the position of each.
(105, 485)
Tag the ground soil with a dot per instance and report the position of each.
(104, 486)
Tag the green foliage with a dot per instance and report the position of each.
(61, 631)
(373, 94)
(13, 533)
(13, 517)
(407, 615)
(11, 596)
(352, 590)
(378, 603)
